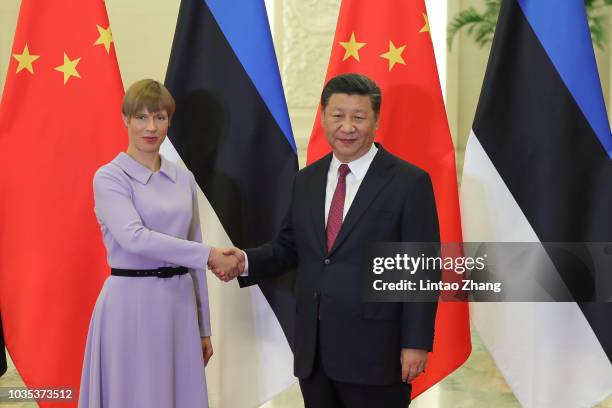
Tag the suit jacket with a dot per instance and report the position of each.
(359, 342)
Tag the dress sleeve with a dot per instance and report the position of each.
(198, 275)
(115, 209)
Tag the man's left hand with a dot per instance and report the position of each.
(413, 363)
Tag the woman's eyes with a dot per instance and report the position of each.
(160, 118)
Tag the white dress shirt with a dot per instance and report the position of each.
(358, 168)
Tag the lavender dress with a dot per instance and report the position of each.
(143, 347)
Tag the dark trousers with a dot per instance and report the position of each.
(320, 391)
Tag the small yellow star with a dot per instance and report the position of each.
(426, 26)
(106, 37)
(69, 68)
(394, 55)
(352, 48)
(25, 60)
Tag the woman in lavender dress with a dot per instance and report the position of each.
(149, 336)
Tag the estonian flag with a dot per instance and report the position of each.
(232, 131)
(538, 169)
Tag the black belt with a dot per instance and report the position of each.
(165, 272)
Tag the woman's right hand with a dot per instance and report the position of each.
(207, 349)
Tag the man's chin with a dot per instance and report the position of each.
(348, 154)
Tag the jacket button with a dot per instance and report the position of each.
(327, 261)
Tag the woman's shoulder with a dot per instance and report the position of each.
(109, 173)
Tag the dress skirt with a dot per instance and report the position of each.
(143, 347)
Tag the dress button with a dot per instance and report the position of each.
(327, 261)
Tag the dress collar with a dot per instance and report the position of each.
(139, 172)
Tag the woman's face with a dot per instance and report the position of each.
(147, 130)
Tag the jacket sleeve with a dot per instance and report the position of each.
(420, 224)
(277, 256)
(115, 209)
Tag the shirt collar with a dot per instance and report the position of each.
(358, 167)
(139, 172)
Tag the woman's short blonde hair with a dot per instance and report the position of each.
(150, 94)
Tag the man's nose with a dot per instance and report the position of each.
(348, 126)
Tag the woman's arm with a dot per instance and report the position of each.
(114, 207)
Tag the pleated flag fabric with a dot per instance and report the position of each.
(538, 169)
(232, 130)
(60, 120)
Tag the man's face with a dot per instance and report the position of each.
(349, 124)
(147, 130)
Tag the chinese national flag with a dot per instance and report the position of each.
(389, 41)
(59, 121)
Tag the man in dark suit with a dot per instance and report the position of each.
(349, 353)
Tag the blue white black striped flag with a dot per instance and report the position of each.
(538, 168)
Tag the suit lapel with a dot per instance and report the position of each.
(377, 176)
(318, 184)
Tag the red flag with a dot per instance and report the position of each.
(389, 41)
(59, 121)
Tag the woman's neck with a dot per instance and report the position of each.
(151, 160)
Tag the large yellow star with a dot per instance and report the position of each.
(106, 37)
(69, 68)
(394, 55)
(25, 60)
(426, 26)
(352, 48)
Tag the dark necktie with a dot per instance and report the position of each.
(336, 210)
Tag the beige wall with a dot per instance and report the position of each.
(9, 9)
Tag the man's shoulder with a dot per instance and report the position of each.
(400, 166)
(315, 168)
(383, 158)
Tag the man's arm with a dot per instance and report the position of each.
(419, 224)
(270, 259)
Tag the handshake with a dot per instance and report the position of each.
(226, 263)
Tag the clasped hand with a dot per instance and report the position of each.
(226, 263)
